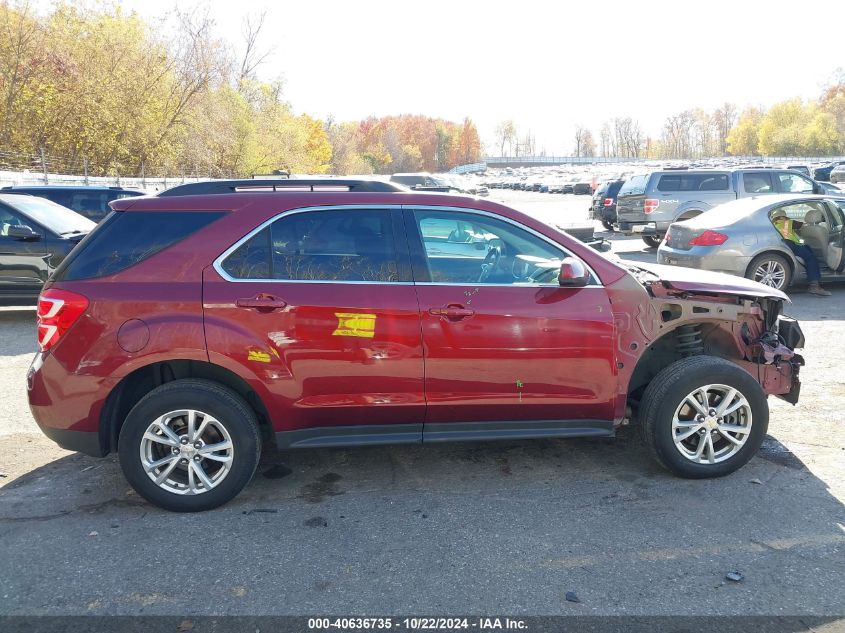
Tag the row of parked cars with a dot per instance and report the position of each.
(722, 219)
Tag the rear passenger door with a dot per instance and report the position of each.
(318, 304)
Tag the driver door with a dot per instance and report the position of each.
(504, 344)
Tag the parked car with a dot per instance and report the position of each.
(187, 331)
(421, 181)
(801, 169)
(603, 207)
(35, 237)
(822, 173)
(837, 174)
(739, 238)
(91, 202)
(648, 203)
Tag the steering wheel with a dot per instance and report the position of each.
(490, 262)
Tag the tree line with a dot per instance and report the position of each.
(789, 128)
(100, 90)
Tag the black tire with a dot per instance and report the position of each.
(770, 258)
(607, 224)
(668, 390)
(652, 241)
(206, 396)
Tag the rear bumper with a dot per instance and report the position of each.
(66, 406)
(651, 227)
(704, 258)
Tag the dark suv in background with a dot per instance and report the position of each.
(823, 173)
(603, 207)
(91, 202)
(35, 237)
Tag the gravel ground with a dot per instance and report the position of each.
(507, 527)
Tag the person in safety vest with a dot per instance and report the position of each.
(788, 229)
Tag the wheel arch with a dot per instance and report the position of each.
(773, 251)
(135, 385)
(714, 338)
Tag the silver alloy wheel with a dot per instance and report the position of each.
(771, 273)
(187, 452)
(711, 424)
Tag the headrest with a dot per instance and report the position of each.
(814, 216)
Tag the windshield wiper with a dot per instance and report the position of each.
(75, 232)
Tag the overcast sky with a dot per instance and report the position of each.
(547, 65)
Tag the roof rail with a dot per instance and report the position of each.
(275, 184)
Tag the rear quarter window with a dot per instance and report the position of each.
(634, 186)
(128, 238)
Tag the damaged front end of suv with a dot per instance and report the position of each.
(664, 314)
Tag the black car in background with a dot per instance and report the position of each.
(35, 236)
(823, 173)
(91, 202)
(603, 207)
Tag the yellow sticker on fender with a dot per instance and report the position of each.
(355, 324)
(258, 356)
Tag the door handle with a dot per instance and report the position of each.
(262, 302)
(453, 312)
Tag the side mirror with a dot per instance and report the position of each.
(23, 232)
(573, 273)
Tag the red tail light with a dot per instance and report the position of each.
(709, 238)
(608, 202)
(650, 205)
(58, 310)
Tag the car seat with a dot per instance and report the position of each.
(815, 233)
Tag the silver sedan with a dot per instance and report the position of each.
(739, 238)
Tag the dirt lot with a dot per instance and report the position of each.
(507, 527)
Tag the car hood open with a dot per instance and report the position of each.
(692, 280)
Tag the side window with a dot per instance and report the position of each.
(793, 183)
(757, 182)
(9, 219)
(693, 182)
(343, 245)
(468, 248)
(799, 211)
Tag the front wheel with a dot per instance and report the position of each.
(704, 417)
(771, 270)
(652, 241)
(189, 445)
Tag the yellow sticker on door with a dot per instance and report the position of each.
(355, 324)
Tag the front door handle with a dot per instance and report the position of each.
(453, 312)
(261, 302)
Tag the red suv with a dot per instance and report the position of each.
(186, 332)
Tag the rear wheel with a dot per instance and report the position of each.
(189, 445)
(652, 241)
(704, 417)
(771, 270)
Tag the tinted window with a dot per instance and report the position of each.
(693, 182)
(467, 248)
(614, 188)
(635, 185)
(758, 182)
(125, 239)
(351, 245)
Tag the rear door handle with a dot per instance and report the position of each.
(261, 302)
(453, 312)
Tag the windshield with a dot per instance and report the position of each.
(55, 217)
